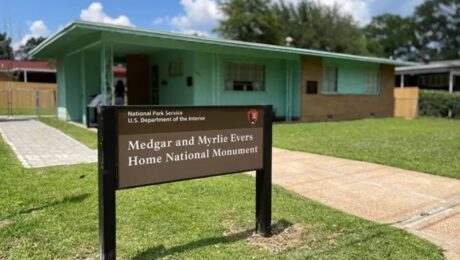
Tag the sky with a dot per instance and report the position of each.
(23, 19)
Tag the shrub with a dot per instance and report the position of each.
(438, 103)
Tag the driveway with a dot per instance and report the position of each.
(424, 204)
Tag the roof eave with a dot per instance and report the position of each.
(222, 42)
(35, 52)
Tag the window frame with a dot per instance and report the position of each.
(248, 63)
(362, 67)
(176, 68)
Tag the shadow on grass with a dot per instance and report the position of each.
(69, 199)
(161, 251)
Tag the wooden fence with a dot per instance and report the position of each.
(406, 102)
(19, 98)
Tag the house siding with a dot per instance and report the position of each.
(209, 83)
(324, 107)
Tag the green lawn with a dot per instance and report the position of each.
(84, 136)
(28, 111)
(427, 144)
(51, 213)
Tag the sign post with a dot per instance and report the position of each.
(107, 163)
(148, 145)
(264, 181)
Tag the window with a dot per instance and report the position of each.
(350, 78)
(244, 76)
(330, 80)
(312, 87)
(434, 81)
(372, 82)
(175, 68)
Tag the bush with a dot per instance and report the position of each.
(438, 103)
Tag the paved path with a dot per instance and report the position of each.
(426, 205)
(39, 145)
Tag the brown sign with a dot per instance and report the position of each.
(163, 144)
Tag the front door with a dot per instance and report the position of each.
(138, 81)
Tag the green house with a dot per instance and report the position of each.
(175, 69)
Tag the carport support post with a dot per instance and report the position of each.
(401, 83)
(107, 182)
(264, 180)
(107, 90)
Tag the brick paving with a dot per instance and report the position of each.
(39, 145)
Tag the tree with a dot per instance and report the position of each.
(309, 24)
(320, 27)
(23, 51)
(249, 20)
(438, 28)
(392, 36)
(6, 51)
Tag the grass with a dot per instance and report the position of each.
(428, 145)
(51, 213)
(28, 111)
(88, 138)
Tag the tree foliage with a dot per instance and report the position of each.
(310, 25)
(433, 32)
(320, 27)
(392, 36)
(6, 51)
(250, 20)
(23, 51)
(438, 28)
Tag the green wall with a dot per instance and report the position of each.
(92, 77)
(175, 90)
(77, 85)
(209, 82)
(61, 95)
(352, 75)
(73, 87)
(282, 82)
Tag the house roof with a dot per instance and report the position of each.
(80, 29)
(431, 67)
(43, 66)
(16, 65)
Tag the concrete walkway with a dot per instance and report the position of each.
(39, 145)
(426, 205)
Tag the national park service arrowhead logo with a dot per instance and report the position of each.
(253, 116)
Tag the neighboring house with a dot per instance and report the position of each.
(439, 75)
(40, 71)
(27, 71)
(175, 69)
